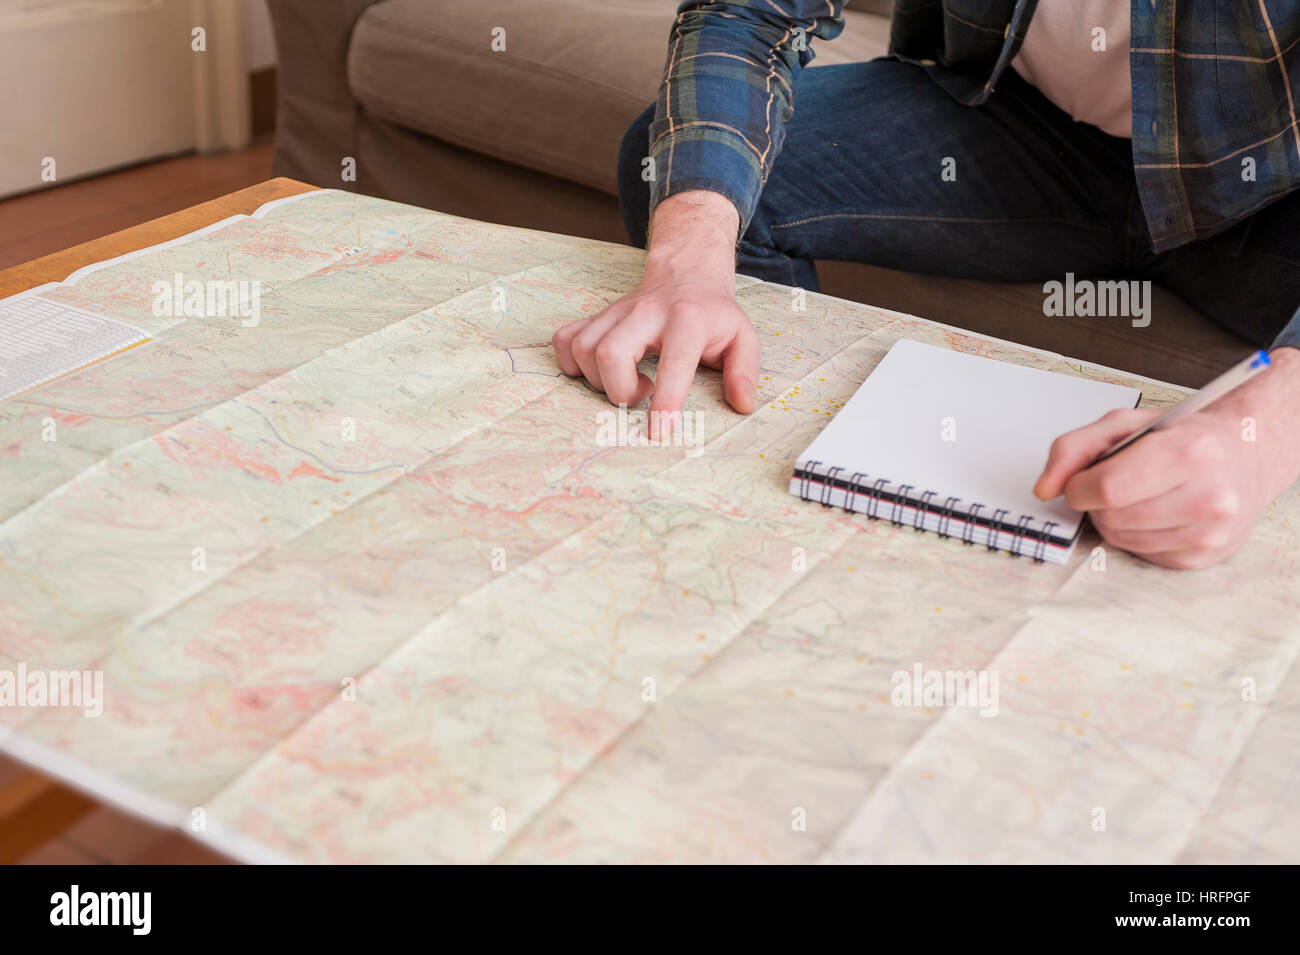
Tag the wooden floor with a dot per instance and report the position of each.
(41, 824)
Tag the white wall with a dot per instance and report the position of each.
(93, 84)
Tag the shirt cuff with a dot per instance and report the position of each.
(710, 159)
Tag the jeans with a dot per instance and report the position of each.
(882, 166)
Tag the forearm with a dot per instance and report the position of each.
(693, 233)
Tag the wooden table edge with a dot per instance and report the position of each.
(57, 266)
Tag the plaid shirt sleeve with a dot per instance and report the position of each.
(727, 92)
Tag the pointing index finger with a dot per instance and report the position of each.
(676, 373)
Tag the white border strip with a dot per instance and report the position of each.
(133, 801)
(257, 213)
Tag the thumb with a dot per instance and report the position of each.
(1076, 450)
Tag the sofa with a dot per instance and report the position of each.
(512, 111)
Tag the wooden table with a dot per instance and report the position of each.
(33, 807)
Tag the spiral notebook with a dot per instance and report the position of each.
(949, 442)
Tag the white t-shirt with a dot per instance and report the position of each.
(1076, 53)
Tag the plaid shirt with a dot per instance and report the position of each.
(1216, 84)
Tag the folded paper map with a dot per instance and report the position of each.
(339, 567)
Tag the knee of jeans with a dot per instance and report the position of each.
(633, 190)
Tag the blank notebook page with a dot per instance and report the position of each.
(962, 426)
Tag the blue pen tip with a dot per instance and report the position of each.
(1261, 359)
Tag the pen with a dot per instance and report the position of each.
(1233, 378)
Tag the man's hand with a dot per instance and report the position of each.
(1188, 496)
(684, 310)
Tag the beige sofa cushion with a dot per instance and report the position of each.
(573, 76)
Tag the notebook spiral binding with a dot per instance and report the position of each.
(1000, 533)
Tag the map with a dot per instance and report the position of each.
(365, 583)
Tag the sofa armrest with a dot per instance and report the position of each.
(316, 115)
